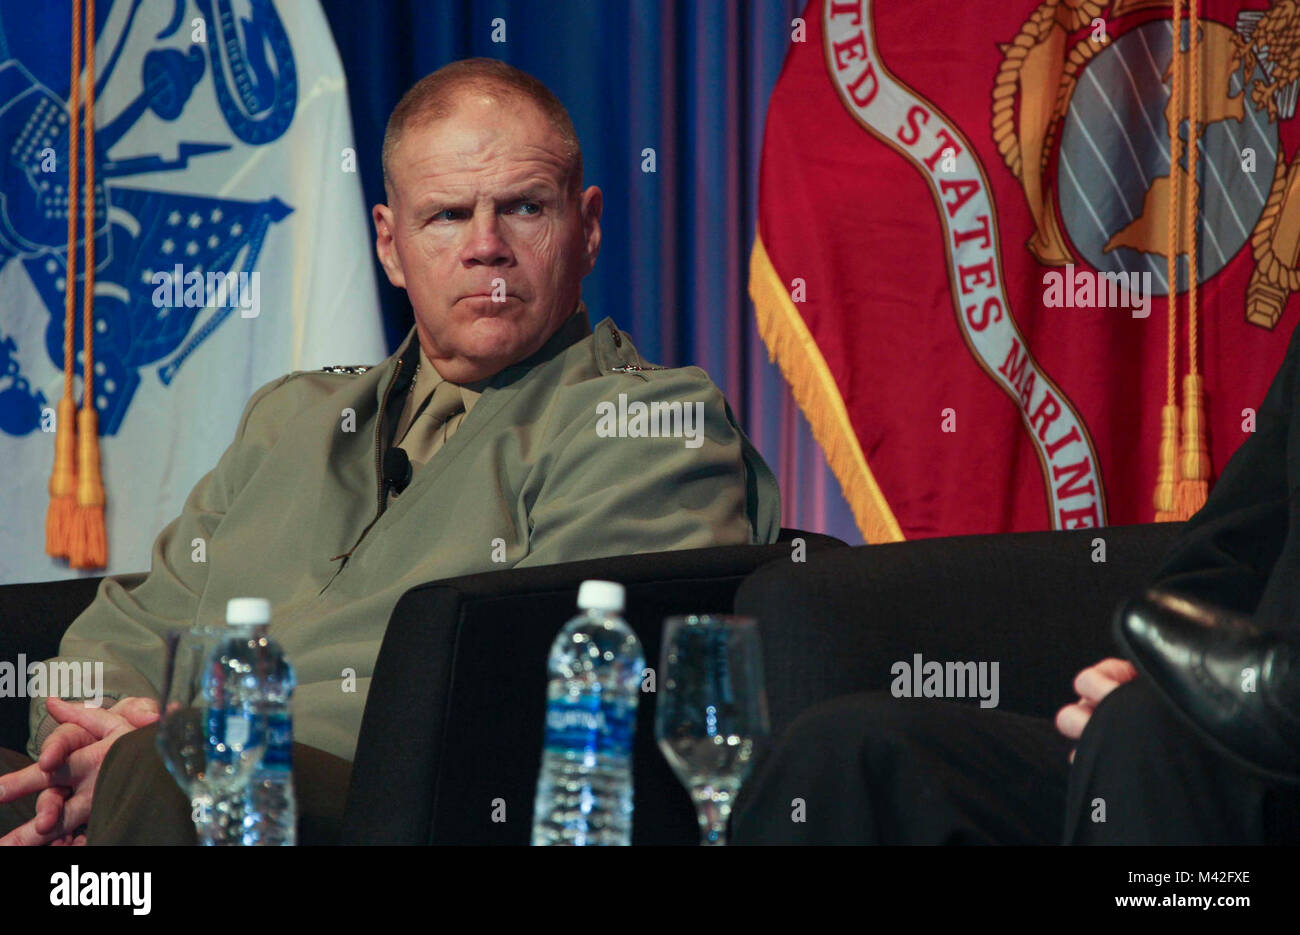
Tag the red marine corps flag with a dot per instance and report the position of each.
(972, 218)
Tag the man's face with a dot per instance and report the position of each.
(480, 203)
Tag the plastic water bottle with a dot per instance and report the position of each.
(584, 792)
(247, 687)
(270, 808)
(230, 722)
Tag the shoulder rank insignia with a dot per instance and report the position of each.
(355, 370)
(633, 368)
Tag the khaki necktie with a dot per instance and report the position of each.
(436, 422)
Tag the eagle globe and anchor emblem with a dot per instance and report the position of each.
(137, 230)
(1112, 109)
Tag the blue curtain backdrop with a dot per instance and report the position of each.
(690, 80)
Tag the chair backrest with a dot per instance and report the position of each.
(1039, 604)
(453, 723)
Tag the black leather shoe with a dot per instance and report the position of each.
(1237, 686)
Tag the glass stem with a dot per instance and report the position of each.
(713, 812)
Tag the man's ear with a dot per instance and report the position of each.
(384, 246)
(591, 205)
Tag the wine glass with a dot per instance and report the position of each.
(210, 753)
(711, 714)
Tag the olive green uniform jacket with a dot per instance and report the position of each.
(294, 511)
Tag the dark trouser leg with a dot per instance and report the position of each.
(1156, 782)
(873, 769)
(13, 814)
(138, 802)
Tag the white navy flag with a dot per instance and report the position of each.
(223, 148)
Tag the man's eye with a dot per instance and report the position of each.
(527, 208)
(446, 214)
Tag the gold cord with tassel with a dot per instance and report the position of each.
(1194, 459)
(63, 477)
(1167, 476)
(88, 541)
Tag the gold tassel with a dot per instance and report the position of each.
(1167, 478)
(63, 481)
(88, 543)
(1167, 471)
(1194, 461)
(63, 477)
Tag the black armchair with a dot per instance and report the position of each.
(454, 716)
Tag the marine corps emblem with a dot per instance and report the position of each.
(1054, 99)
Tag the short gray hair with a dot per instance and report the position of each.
(434, 97)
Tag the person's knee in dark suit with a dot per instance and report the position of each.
(1141, 775)
(874, 769)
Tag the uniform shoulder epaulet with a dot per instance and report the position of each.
(353, 370)
(614, 351)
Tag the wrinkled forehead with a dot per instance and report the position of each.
(483, 141)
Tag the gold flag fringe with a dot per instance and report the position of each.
(791, 345)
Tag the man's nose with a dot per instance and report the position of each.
(486, 244)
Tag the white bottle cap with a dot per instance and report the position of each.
(248, 611)
(600, 595)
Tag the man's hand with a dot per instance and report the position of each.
(63, 779)
(1092, 684)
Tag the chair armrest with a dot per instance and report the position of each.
(32, 620)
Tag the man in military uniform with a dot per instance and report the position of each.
(474, 447)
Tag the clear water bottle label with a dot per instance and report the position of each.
(585, 725)
(279, 742)
(238, 731)
(229, 731)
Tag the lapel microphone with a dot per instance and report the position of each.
(397, 470)
(396, 467)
